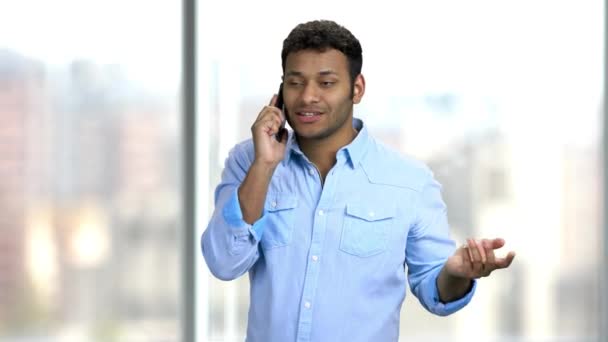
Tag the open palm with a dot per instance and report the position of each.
(476, 259)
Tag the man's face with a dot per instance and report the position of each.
(317, 93)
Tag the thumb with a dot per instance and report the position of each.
(506, 261)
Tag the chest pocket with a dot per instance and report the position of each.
(365, 229)
(280, 222)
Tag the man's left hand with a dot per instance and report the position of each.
(476, 259)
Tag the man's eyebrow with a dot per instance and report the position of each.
(293, 73)
(321, 73)
(327, 72)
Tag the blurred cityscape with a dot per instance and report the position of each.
(89, 207)
(89, 204)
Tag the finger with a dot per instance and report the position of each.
(497, 243)
(274, 111)
(482, 251)
(506, 261)
(281, 117)
(268, 113)
(481, 263)
(270, 125)
(466, 258)
(476, 257)
(267, 110)
(470, 253)
(490, 257)
(273, 100)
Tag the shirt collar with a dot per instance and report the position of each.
(355, 151)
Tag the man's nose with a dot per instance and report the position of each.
(310, 93)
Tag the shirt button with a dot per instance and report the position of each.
(321, 212)
(311, 171)
(371, 214)
(307, 305)
(315, 258)
(274, 204)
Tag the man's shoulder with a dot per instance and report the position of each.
(244, 147)
(242, 153)
(385, 165)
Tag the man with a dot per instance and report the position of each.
(326, 220)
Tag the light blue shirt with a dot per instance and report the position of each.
(328, 262)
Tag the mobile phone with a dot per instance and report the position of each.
(281, 105)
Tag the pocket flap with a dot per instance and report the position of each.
(277, 201)
(370, 212)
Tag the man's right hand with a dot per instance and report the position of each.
(269, 151)
(268, 154)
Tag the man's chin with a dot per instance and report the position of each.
(311, 135)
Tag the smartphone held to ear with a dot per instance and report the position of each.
(280, 105)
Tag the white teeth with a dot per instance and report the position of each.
(308, 114)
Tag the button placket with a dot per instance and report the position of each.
(315, 251)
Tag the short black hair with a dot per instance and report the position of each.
(321, 35)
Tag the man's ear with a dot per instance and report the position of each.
(358, 88)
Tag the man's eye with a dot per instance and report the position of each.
(294, 83)
(327, 83)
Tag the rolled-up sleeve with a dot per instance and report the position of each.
(229, 244)
(428, 247)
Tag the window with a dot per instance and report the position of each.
(502, 100)
(89, 171)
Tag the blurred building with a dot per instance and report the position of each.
(581, 242)
(22, 94)
(475, 175)
(486, 186)
(89, 200)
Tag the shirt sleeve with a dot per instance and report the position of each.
(428, 247)
(229, 244)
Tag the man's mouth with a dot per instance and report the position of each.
(308, 113)
(308, 116)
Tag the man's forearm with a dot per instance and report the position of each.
(253, 190)
(452, 288)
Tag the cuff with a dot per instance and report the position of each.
(444, 309)
(234, 217)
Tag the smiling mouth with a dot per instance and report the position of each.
(308, 114)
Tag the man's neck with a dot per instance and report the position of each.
(322, 153)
